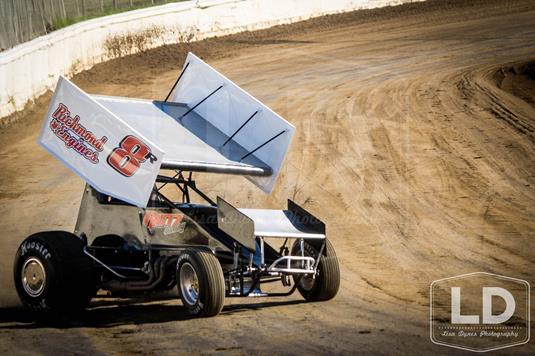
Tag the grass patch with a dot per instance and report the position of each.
(64, 22)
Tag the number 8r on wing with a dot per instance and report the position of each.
(127, 158)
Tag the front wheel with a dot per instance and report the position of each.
(52, 275)
(325, 284)
(201, 283)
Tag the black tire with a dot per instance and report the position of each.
(210, 286)
(66, 274)
(327, 282)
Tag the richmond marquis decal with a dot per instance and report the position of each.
(75, 135)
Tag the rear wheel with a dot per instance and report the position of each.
(52, 274)
(201, 283)
(325, 284)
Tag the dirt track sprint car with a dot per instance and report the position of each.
(131, 238)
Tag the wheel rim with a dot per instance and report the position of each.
(189, 284)
(307, 281)
(33, 276)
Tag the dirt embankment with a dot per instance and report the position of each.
(420, 164)
(518, 80)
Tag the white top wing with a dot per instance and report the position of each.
(210, 124)
(236, 114)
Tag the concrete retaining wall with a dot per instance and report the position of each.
(29, 69)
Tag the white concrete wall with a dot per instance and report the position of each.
(29, 69)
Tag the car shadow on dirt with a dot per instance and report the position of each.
(112, 313)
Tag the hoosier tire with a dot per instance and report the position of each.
(327, 282)
(52, 274)
(200, 281)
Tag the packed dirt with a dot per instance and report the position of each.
(415, 143)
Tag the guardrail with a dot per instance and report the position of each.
(28, 70)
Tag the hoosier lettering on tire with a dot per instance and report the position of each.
(52, 275)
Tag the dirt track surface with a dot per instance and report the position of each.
(421, 166)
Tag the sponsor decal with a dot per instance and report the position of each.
(75, 135)
(100, 147)
(168, 222)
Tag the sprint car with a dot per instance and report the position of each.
(143, 224)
